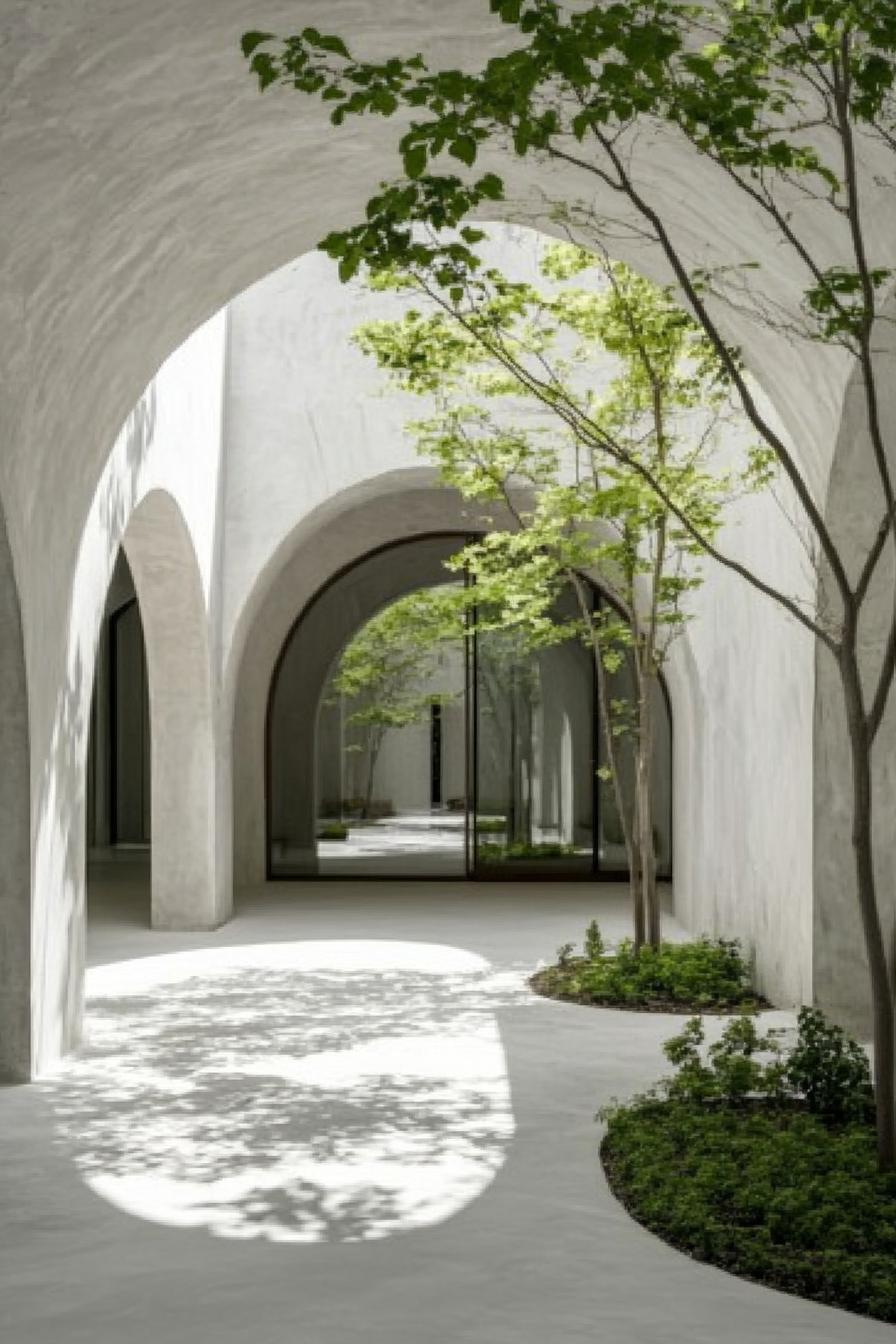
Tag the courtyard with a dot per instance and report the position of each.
(193, 1080)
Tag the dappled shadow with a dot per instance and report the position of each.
(336, 1091)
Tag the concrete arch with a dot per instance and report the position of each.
(15, 843)
(190, 872)
(342, 606)
(358, 521)
(854, 507)
(349, 599)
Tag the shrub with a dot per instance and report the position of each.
(826, 1071)
(594, 943)
(519, 849)
(829, 1069)
(491, 825)
(764, 1161)
(333, 830)
(776, 1195)
(705, 974)
(734, 1068)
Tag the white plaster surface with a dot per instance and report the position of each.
(146, 184)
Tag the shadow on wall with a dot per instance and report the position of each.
(59, 831)
(299, 1092)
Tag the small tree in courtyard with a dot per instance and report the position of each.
(571, 508)
(791, 103)
(384, 671)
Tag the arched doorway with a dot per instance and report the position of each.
(118, 801)
(151, 761)
(495, 773)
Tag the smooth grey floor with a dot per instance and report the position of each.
(541, 1253)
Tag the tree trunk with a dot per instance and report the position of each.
(644, 795)
(628, 824)
(373, 750)
(884, 1041)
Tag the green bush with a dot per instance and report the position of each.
(707, 974)
(755, 1159)
(546, 849)
(825, 1071)
(594, 942)
(491, 825)
(776, 1195)
(829, 1069)
(333, 830)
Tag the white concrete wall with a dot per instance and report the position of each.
(163, 471)
(146, 184)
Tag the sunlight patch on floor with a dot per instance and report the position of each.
(301, 1092)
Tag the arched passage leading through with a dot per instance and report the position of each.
(524, 801)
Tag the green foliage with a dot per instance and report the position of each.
(333, 830)
(776, 1195)
(743, 100)
(825, 1071)
(594, 943)
(491, 825)
(829, 1069)
(744, 1062)
(520, 849)
(707, 974)
(384, 670)
(764, 1161)
(384, 664)
(564, 954)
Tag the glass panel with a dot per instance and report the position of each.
(534, 768)
(392, 797)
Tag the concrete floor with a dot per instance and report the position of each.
(328, 1026)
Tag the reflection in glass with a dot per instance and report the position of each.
(534, 755)
(391, 755)
(493, 771)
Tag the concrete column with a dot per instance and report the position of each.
(190, 831)
(15, 837)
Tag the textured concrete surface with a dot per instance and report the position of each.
(146, 184)
(542, 1252)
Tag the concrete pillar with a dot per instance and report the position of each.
(190, 829)
(15, 835)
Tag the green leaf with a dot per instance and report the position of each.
(463, 148)
(326, 42)
(414, 160)
(249, 41)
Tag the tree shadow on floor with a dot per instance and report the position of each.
(297, 1103)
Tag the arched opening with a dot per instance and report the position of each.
(16, 1034)
(490, 765)
(119, 813)
(151, 761)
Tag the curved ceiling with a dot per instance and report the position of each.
(146, 182)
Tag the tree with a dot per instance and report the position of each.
(384, 671)
(791, 103)
(573, 508)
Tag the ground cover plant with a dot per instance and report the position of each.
(333, 830)
(518, 851)
(491, 825)
(708, 974)
(763, 1161)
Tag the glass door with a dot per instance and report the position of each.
(533, 755)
